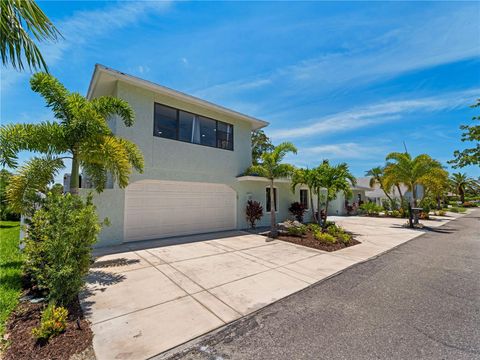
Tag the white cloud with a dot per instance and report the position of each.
(84, 27)
(184, 61)
(375, 114)
(142, 69)
(433, 39)
(350, 150)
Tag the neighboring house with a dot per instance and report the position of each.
(195, 154)
(377, 195)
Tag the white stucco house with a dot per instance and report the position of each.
(195, 155)
(377, 195)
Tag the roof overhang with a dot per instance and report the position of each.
(261, 179)
(104, 79)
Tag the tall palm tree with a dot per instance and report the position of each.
(271, 167)
(81, 134)
(334, 179)
(378, 178)
(20, 21)
(460, 183)
(305, 177)
(403, 169)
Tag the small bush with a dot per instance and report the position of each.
(297, 230)
(297, 210)
(254, 212)
(371, 209)
(469, 204)
(313, 227)
(325, 237)
(457, 209)
(395, 213)
(58, 246)
(52, 323)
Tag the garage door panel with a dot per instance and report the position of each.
(156, 209)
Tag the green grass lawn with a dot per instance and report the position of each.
(10, 269)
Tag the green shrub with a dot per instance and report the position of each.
(370, 209)
(52, 323)
(457, 209)
(325, 237)
(314, 227)
(395, 213)
(439, 212)
(297, 230)
(58, 246)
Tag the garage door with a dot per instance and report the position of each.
(156, 209)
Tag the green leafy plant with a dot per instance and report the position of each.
(370, 209)
(297, 230)
(58, 246)
(298, 210)
(52, 323)
(254, 212)
(81, 134)
(272, 168)
(457, 209)
(313, 227)
(325, 237)
(395, 213)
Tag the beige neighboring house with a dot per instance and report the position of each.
(196, 153)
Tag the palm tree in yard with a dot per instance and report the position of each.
(81, 134)
(334, 179)
(22, 21)
(306, 177)
(377, 177)
(460, 182)
(403, 169)
(272, 168)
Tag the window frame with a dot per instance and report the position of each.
(197, 118)
(307, 198)
(276, 200)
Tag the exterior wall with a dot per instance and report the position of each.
(175, 160)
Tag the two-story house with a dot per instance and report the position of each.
(195, 154)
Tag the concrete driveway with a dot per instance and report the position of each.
(147, 297)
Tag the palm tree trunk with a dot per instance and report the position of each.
(462, 195)
(74, 180)
(439, 205)
(324, 224)
(386, 193)
(273, 221)
(400, 194)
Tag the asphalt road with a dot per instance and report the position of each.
(418, 301)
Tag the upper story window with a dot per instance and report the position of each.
(181, 125)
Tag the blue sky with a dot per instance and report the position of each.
(344, 81)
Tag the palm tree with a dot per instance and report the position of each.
(305, 177)
(334, 179)
(20, 20)
(403, 169)
(271, 167)
(436, 184)
(378, 177)
(460, 183)
(81, 133)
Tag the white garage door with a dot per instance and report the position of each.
(156, 209)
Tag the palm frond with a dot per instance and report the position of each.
(54, 93)
(45, 137)
(108, 106)
(32, 177)
(19, 19)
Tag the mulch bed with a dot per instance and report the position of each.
(309, 241)
(23, 346)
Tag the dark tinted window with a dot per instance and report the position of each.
(165, 120)
(304, 198)
(269, 206)
(185, 125)
(208, 128)
(224, 135)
